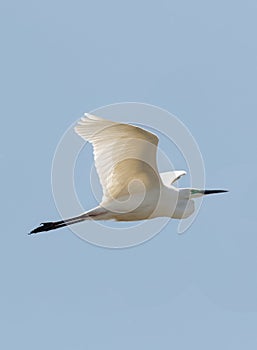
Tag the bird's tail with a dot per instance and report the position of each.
(97, 213)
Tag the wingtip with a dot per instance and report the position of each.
(91, 117)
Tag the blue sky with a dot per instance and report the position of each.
(196, 59)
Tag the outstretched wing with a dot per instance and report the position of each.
(122, 153)
(169, 177)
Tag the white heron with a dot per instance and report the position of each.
(133, 188)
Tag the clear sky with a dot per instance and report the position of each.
(196, 59)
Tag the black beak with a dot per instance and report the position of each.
(214, 191)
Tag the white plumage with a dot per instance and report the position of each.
(133, 189)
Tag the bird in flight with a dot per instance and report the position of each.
(133, 189)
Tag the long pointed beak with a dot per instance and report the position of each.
(214, 191)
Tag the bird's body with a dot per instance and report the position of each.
(133, 188)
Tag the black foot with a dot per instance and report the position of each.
(47, 226)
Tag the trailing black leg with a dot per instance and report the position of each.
(48, 226)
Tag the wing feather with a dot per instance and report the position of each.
(169, 177)
(122, 153)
